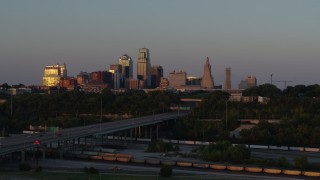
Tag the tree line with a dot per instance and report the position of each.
(77, 108)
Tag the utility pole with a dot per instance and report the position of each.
(100, 111)
(226, 114)
(271, 77)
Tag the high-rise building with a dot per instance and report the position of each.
(164, 83)
(83, 78)
(116, 70)
(143, 66)
(207, 79)
(227, 82)
(193, 81)
(68, 83)
(177, 79)
(127, 66)
(250, 81)
(53, 74)
(156, 73)
(101, 77)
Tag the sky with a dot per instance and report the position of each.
(253, 37)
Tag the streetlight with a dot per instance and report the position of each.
(100, 111)
(226, 114)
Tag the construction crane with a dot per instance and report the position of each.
(285, 83)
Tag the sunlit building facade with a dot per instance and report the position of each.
(53, 74)
(177, 79)
(143, 66)
(127, 66)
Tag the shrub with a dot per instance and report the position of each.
(39, 169)
(160, 146)
(301, 163)
(93, 170)
(24, 167)
(166, 171)
(85, 169)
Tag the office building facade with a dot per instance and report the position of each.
(177, 79)
(143, 66)
(127, 66)
(53, 74)
(156, 73)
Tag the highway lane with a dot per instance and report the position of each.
(17, 143)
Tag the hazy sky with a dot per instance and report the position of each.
(253, 37)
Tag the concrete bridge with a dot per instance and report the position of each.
(20, 143)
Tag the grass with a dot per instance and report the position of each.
(17, 175)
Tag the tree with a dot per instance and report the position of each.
(166, 171)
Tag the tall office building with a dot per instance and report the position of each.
(250, 81)
(53, 74)
(207, 79)
(116, 70)
(83, 78)
(127, 66)
(143, 66)
(177, 79)
(227, 82)
(156, 73)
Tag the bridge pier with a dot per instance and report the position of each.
(23, 157)
(61, 153)
(125, 137)
(131, 136)
(151, 132)
(146, 132)
(157, 129)
(139, 132)
(43, 152)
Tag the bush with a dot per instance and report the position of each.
(224, 151)
(39, 169)
(160, 146)
(85, 169)
(166, 171)
(301, 163)
(93, 170)
(24, 167)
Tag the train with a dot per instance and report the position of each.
(128, 158)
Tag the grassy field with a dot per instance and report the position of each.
(82, 176)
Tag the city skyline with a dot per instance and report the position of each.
(253, 38)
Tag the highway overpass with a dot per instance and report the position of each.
(24, 141)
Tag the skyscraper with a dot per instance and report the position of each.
(177, 79)
(227, 82)
(116, 70)
(156, 73)
(250, 81)
(207, 79)
(127, 66)
(53, 74)
(143, 66)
